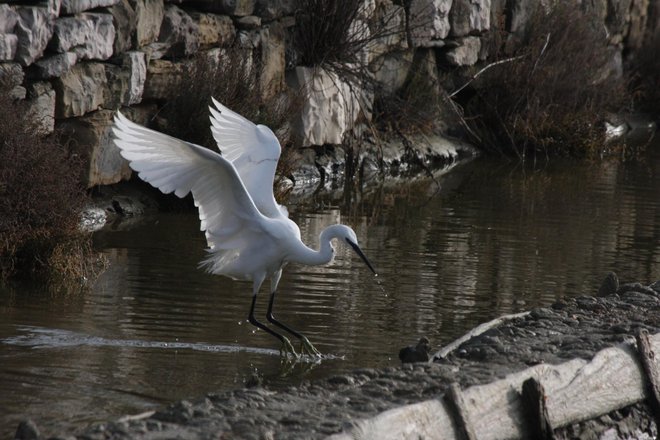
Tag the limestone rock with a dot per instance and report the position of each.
(331, 108)
(238, 8)
(126, 82)
(149, 18)
(391, 19)
(391, 70)
(41, 106)
(178, 31)
(271, 76)
(93, 138)
(429, 22)
(8, 19)
(214, 30)
(54, 8)
(80, 90)
(163, 78)
(89, 35)
(54, 65)
(469, 16)
(467, 53)
(11, 75)
(33, 29)
(270, 10)
(75, 6)
(8, 45)
(124, 20)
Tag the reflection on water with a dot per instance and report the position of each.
(493, 239)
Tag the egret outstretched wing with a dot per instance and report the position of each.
(254, 150)
(227, 213)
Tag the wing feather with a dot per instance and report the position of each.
(227, 214)
(254, 151)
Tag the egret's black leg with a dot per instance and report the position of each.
(306, 345)
(286, 344)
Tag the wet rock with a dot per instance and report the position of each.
(609, 285)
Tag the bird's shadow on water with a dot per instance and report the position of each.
(45, 338)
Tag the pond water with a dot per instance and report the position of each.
(486, 239)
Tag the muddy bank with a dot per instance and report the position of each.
(577, 327)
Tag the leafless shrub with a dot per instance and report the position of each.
(40, 199)
(550, 98)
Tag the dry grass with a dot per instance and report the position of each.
(40, 199)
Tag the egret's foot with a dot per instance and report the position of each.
(287, 349)
(306, 347)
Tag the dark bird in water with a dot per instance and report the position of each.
(418, 353)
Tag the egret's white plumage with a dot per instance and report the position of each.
(249, 235)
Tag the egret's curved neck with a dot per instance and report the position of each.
(324, 254)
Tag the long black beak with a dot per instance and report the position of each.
(358, 251)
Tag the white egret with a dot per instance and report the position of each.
(249, 235)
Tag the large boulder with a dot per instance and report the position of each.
(469, 16)
(149, 19)
(53, 66)
(163, 79)
(8, 19)
(429, 22)
(271, 76)
(467, 53)
(74, 6)
(80, 90)
(124, 20)
(331, 108)
(89, 35)
(33, 29)
(126, 82)
(214, 30)
(179, 32)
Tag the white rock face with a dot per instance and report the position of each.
(55, 65)
(89, 35)
(33, 29)
(331, 108)
(429, 22)
(469, 16)
(8, 45)
(80, 90)
(149, 18)
(467, 53)
(75, 6)
(8, 19)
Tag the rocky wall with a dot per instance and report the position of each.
(77, 61)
